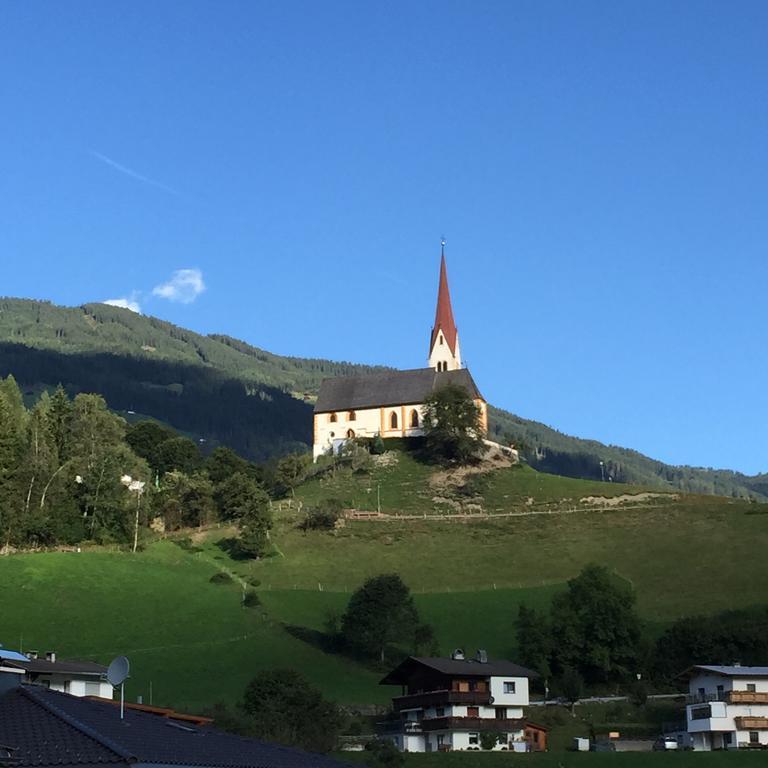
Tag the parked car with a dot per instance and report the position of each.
(664, 744)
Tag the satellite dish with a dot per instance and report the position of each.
(118, 671)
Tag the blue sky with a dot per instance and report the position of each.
(598, 169)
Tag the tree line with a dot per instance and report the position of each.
(73, 471)
(592, 638)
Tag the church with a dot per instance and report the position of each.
(391, 404)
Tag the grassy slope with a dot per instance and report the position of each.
(197, 645)
(576, 760)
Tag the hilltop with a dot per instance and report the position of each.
(226, 391)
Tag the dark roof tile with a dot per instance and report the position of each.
(349, 393)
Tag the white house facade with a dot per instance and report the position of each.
(448, 704)
(391, 404)
(727, 707)
(78, 678)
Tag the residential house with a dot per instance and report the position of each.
(42, 728)
(727, 707)
(80, 678)
(447, 703)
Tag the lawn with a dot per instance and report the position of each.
(740, 759)
(187, 638)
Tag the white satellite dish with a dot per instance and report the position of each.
(118, 671)
(117, 674)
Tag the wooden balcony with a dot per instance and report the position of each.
(747, 697)
(472, 724)
(440, 699)
(751, 723)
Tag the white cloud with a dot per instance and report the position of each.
(130, 303)
(184, 286)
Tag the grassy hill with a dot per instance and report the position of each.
(196, 645)
(225, 391)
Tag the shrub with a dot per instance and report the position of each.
(489, 739)
(251, 599)
(254, 582)
(323, 517)
(220, 578)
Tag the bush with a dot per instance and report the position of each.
(324, 516)
(254, 582)
(489, 739)
(186, 544)
(251, 599)
(382, 753)
(220, 578)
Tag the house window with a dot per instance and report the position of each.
(701, 713)
(440, 740)
(473, 711)
(474, 738)
(440, 338)
(393, 420)
(751, 687)
(720, 691)
(501, 713)
(333, 418)
(414, 418)
(92, 689)
(352, 416)
(754, 737)
(509, 686)
(440, 712)
(727, 738)
(462, 686)
(66, 686)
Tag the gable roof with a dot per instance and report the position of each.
(45, 667)
(727, 670)
(349, 393)
(456, 667)
(46, 728)
(444, 314)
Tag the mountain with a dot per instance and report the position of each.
(223, 390)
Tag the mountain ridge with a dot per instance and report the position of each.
(198, 382)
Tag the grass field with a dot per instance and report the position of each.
(577, 760)
(196, 645)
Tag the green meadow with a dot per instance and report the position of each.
(191, 644)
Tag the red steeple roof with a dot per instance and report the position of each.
(444, 316)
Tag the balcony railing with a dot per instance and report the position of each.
(730, 697)
(472, 724)
(440, 698)
(751, 723)
(399, 726)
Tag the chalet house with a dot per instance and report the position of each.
(727, 707)
(42, 728)
(391, 404)
(447, 703)
(80, 678)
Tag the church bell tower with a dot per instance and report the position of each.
(444, 353)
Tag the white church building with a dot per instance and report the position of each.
(390, 404)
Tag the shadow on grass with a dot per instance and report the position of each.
(231, 546)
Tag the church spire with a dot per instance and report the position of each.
(444, 352)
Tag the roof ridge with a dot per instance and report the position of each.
(38, 698)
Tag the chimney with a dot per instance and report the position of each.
(50, 656)
(31, 654)
(482, 656)
(458, 655)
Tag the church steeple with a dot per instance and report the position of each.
(444, 354)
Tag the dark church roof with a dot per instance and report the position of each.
(350, 393)
(444, 315)
(40, 727)
(456, 667)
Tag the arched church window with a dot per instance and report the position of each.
(393, 420)
(333, 419)
(352, 416)
(350, 434)
(440, 338)
(414, 418)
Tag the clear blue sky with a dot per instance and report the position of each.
(598, 169)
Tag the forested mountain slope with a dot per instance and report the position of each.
(227, 391)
